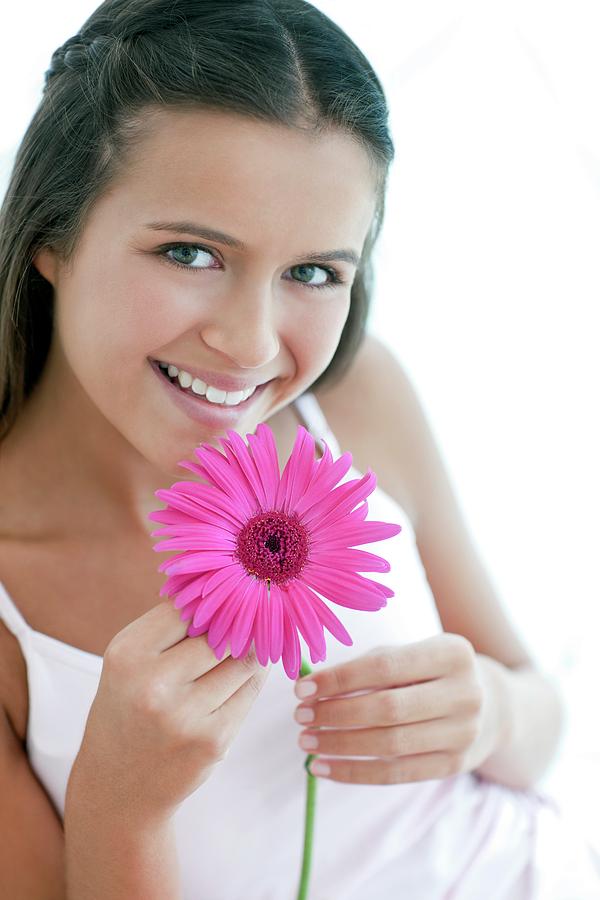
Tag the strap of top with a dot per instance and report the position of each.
(11, 615)
(314, 421)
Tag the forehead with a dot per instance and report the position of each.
(249, 175)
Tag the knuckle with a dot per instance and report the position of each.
(117, 656)
(250, 660)
(389, 707)
(452, 764)
(399, 743)
(256, 683)
(463, 649)
(385, 665)
(476, 697)
(153, 697)
(218, 745)
(472, 731)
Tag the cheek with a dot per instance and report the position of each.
(317, 332)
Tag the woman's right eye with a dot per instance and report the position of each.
(188, 254)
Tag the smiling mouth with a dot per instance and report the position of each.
(218, 398)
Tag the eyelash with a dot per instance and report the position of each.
(336, 278)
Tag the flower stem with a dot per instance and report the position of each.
(311, 792)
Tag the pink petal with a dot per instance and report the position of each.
(298, 471)
(306, 619)
(207, 607)
(276, 622)
(176, 583)
(247, 465)
(329, 620)
(353, 560)
(195, 543)
(171, 516)
(214, 507)
(348, 535)
(200, 561)
(218, 588)
(243, 623)
(340, 501)
(220, 623)
(344, 588)
(167, 562)
(192, 592)
(194, 632)
(291, 647)
(224, 477)
(211, 500)
(261, 630)
(326, 477)
(220, 648)
(264, 453)
(193, 507)
(191, 529)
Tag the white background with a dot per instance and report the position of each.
(487, 289)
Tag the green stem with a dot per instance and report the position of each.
(311, 796)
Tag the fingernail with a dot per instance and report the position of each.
(305, 689)
(319, 768)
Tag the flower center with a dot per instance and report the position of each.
(273, 546)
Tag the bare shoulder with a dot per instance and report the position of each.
(371, 410)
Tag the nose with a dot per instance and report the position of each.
(243, 326)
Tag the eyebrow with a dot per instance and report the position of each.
(210, 234)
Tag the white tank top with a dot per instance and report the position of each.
(240, 835)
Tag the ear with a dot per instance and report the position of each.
(46, 264)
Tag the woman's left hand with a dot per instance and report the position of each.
(434, 708)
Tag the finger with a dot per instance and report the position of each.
(397, 771)
(416, 703)
(227, 690)
(401, 740)
(156, 630)
(386, 667)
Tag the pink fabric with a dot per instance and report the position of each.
(240, 835)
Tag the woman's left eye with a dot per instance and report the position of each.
(189, 253)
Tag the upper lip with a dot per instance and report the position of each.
(222, 382)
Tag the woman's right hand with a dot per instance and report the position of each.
(165, 713)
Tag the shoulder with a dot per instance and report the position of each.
(373, 410)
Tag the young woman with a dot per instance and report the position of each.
(185, 247)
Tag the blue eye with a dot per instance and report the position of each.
(189, 253)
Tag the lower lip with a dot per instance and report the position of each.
(200, 409)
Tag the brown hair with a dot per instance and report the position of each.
(274, 60)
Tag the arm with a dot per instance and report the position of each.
(533, 713)
(410, 468)
(107, 856)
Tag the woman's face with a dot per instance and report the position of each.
(249, 309)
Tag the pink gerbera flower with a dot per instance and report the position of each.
(259, 547)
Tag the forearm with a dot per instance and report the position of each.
(533, 714)
(109, 857)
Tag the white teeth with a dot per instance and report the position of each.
(234, 398)
(185, 379)
(215, 396)
(201, 388)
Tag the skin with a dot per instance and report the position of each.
(98, 423)
(430, 709)
(99, 427)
